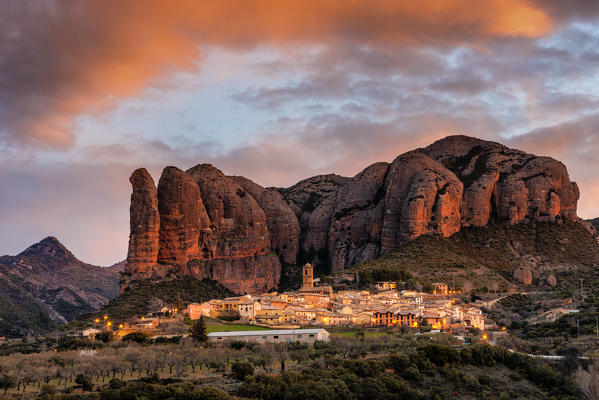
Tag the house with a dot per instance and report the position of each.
(195, 310)
(474, 318)
(440, 288)
(90, 332)
(381, 286)
(247, 309)
(269, 336)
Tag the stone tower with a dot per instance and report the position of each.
(307, 276)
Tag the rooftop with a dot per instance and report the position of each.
(268, 332)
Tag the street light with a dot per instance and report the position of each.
(105, 317)
(485, 337)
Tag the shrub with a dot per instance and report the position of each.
(137, 337)
(116, 383)
(240, 370)
(84, 381)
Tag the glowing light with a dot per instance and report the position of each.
(485, 337)
(105, 317)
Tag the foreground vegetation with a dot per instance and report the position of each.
(390, 366)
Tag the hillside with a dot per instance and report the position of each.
(152, 296)
(46, 285)
(595, 223)
(488, 256)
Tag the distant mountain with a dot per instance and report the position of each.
(46, 285)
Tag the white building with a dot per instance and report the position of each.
(269, 336)
(90, 333)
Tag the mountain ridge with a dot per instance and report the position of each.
(204, 224)
(46, 285)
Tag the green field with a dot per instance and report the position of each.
(349, 332)
(213, 325)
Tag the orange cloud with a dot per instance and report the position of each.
(67, 58)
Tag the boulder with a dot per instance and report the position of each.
(523, 275)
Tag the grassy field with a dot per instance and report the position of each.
(349, 332)
(214, 325)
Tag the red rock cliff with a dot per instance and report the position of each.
(204, 224)
(144, 222)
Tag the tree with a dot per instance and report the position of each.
(7, 382)
(588, 381)
(198, 331)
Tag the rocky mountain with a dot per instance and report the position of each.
(204, 224)
(46, 284)
(208, 227)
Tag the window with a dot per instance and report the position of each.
(311, 336)
(275, 337)
(299, 336)
(264, 337)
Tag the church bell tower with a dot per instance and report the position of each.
(307, 276)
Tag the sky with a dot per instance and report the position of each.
(273, 90)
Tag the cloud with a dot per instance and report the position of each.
(60, 59)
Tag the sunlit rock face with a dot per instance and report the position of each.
(505, 183)
(144, 221)
(204, 224)
(209, 227)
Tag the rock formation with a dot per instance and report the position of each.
(210, 227)
(184, 222)
(144, 221)
(509, 184)
(523, 275)
(229, 228)
(283, 225)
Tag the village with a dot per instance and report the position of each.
(315, 306)
(320, 306)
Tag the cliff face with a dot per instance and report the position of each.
(224, 228)
(144, 221)
(210, 227)
(509, 184)
(283, 225)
